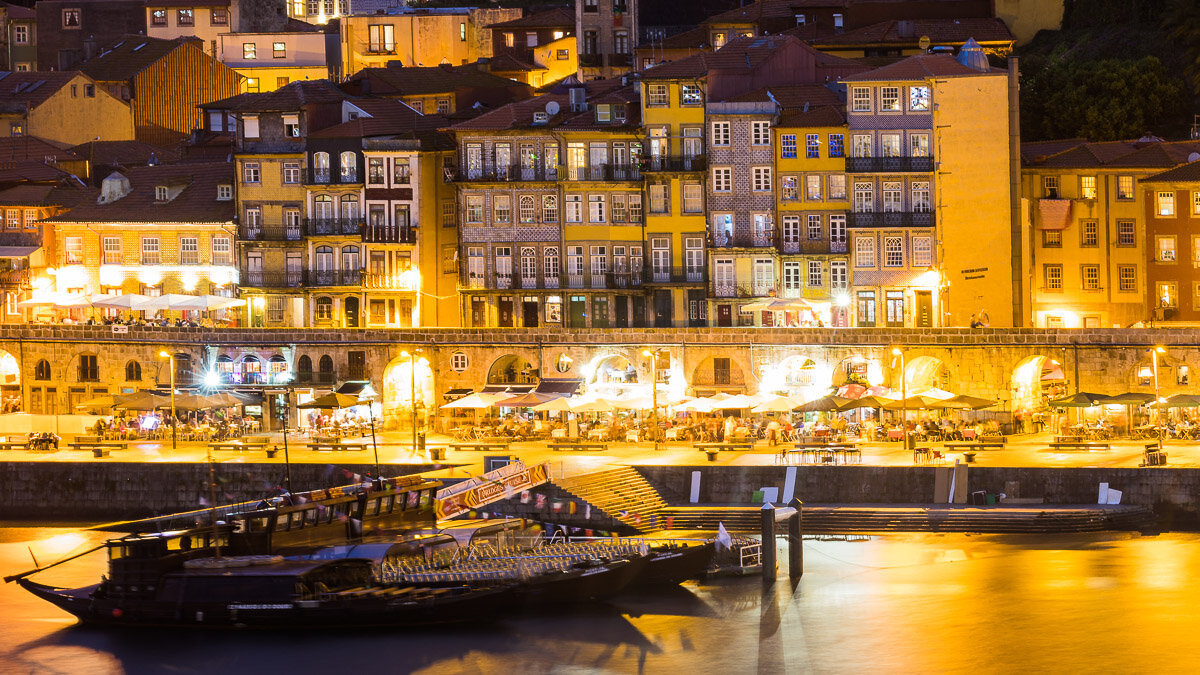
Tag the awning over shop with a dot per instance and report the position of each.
(17, 251)
(560, 386)
(458, 393)
(507, 389)
(1054, 214)
(361, 389)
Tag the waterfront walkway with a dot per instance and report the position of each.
(1030, 450)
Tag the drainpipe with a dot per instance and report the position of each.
(1014, 189)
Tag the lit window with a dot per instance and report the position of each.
(760, 133)
(860, 99)
(186, 17)
(158, 17)
(279, 50)
(689, 94)
(1125, 188)
(1053, 277)
(249, 50)
(889, 99)
(1087, 187)
(1165, 204)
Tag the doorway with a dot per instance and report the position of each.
(351, 312)
(724, 315)
(504, 308)
(924, 302)
(529, 312)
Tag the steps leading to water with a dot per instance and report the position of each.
(621, 494)
(913, 518)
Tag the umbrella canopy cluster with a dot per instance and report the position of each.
(135, 302)
(1086, 399)
(146, 400)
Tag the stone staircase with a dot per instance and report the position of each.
(829, 519)
(621, 494)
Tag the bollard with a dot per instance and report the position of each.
(767, 552)
(796, 540)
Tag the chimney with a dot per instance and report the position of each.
(113, 188)
(89, 47)
(905, 29)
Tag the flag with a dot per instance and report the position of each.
(572, 507)
(724, 541)
(587, 511)
(541, 501)
(556, 506)
(525, 496)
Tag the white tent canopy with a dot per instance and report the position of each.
(126, 301)
(208, 302)
(478, 401)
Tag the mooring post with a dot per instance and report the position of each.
(767, 555)
(796, 539)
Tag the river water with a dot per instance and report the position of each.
(904, 603)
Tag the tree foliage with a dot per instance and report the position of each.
(1100, 100)
(1181, 21)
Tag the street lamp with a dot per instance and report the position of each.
(1158, 400)
(171, 358)
(653, 356)
(903, 399)
(412, 371)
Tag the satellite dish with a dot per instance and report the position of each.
(552, 108)
(923, 43)
(1194, 156)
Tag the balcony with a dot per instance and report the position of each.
(728, 289)
(273, 279)
(388, 282)
(605, 172)
(386, 234)
(591, 60)
(743, 240)
(890, 219)
(816, 246)
(15, 277)
(676, 275)
(672, 163)
(316, 377)
(507, 174)
(271, 233)
(334, 277)
(603, 281)
(333, 226)
(889, 164)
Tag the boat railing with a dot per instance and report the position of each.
(750, 555)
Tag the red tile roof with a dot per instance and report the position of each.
(131, 55)
(18, 12)
(389, 117)
(919, 67)
(519, 115)
(196, 203)
(415, 80)
(1186, 173)
(32, 88)
(939, 32)
(771, 9)
(507, 63)
(18, 148)
(290, 98)
(556, 17)
(129, 153)
(1138, 154)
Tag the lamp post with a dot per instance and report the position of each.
(653, 356)
(171, 360)
(896, 351)
(1158, 401)
(412, 371)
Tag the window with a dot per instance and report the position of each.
(689, 94)
(31, 219)
(889, 99)
(222, 252)
(1127, 278)
(596, 208)
(158, 17)
(252, 85)
(837, 145)
(789, 187)
(920, 197)
(1125, 188)
(660, 198)
(866, 308)
(12, 219)
(918, 145)
(918, 99)
(189, 251)
(861, 145)
(893, 251)
(401, 171)
(376, 171)
(458, 362)
(812, 187)
(860, 99)
(291, 173)
(89, 370)
(1165, 247)
(812, 146)
(894, 301)
(693, 198)
(348, 165)
(186, 17)
(291, 129)
(1167, 293)
(250, 126)
(922, 251)
(501, 209)
(1052, 277)
(73, 250)
(562, 54)
(219, 16)
(1051, 238)
(1165, 204)
(1089, 233)
(462, 31)
(761, 178)
(864, 251)
(657, 94)
(251, 172)
(837, 186)
(279, 50)
(1126, 231)
(816, 230)
(150, 251)
(1196, 203)
(381, 38)
(249, 50)
(791, 279)
(864, 198)
(791, 229)
(527, 209)
(549, 209)
(112, 251)
(1091, 277)
(16, 129)
(889, 145)
(1087, 187)
(720, 133)
(787, 146)
(760, 133)
(722, 179)
(764, 276)
(475, 208)
(253, 221)
(837, 274)
(635, 208)
(574, 208)
(1050, 187)
(224, 193)
(837, 231)
(70, 18)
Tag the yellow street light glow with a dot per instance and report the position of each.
(164, 355)
(895, 351)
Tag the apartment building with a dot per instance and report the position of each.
(606, 32)
(417, 36)
(1098, 251)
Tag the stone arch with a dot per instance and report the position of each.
(1036, 380)
(512, 369)
(133, 371)
(325, 374)
(400, 377)
(614, 367)
(925, 372)
(304, 368)
(41, 371)
(10, 382)
(719, 372)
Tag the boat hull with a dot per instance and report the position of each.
(672, 566)
(448, 606)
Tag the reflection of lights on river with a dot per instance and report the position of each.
(61, 543)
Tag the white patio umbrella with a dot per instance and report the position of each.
(477, 401)
(737, 402)
(636, 403)
(209, 302)
(776, 404)
(934, 392)
(560, 404)
(595, 405)
(118, 301)
(696, 405)
(60, 300)
(170, 301)
(777, 305)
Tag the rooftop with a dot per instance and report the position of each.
(519, 115)
(939, 31)
(417, 80)
(290, 98)
(919, 67)
(32, 88)
(1144, 153)
(130, 56)
(196, 203)
(388, 117)
(1189, 172)
(555, 17)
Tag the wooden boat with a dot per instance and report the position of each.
(274, 594)
(674, 562)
